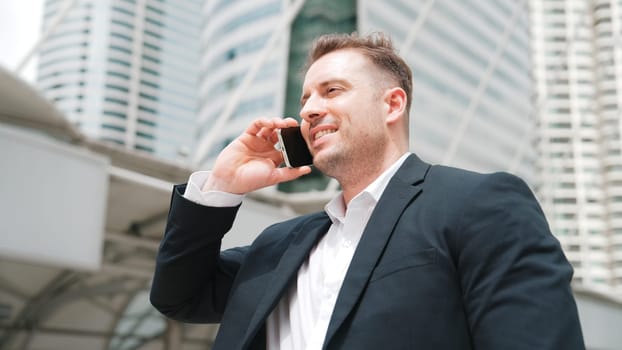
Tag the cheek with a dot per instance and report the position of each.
(304, 129)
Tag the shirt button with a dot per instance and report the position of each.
(347, 243)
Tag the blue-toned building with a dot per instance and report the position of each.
(126, 71)
(472, 91)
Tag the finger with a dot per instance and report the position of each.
(265, 133)
(270, 134)
(274, 137)
(289, 122)
(276, 157)
(274, 123)
(257, 125)
(268, 130)
(289, 174)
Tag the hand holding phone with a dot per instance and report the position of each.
(294, 148)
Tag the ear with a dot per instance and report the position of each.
(395, 103)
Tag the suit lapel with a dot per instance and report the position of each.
(401, 190)
(306, 237)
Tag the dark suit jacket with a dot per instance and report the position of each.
(450, 259)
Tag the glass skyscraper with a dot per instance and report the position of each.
(240, 41)
(577, 56)
(472, 102)
(471, 74)
(126, 71)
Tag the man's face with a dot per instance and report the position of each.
(343, 113)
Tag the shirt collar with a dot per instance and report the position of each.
(336, 208)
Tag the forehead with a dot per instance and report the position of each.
(346, 64)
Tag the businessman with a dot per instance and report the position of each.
(408, 256)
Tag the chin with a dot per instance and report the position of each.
(328, 163)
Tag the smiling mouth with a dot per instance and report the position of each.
(322, 133)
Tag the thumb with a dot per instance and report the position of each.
(287, 174)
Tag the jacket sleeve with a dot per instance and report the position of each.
(192, 276)
(514, 276)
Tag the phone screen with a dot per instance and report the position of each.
(294, 148)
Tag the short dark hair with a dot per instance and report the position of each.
(377, 46)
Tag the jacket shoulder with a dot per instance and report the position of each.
(287, 229)
(461, 181)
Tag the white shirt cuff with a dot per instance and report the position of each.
(209, 198)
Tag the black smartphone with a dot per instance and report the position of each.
(294, 148)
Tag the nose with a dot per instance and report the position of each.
(313, 108)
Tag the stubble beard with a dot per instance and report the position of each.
(354, 162)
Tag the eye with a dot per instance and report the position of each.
(333, 89)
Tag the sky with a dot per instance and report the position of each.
(20, 26)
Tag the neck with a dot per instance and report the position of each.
(354, 182)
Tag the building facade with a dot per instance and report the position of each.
(243, 70)
(578, 72)
(125, 71)
(471, 77)
(470, 62)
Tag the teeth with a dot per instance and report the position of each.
(324, 132)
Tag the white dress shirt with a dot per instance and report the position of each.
(300, 319)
